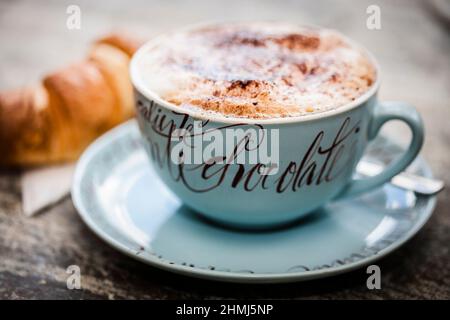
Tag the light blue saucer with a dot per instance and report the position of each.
(122, 201)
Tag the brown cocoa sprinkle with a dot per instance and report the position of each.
(302, 67)
(334, 77)
(314, 70)
(251, 41)
(241, 39)
(298, 42)
(243, 84)
(287, 81)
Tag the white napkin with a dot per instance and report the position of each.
(42, 187)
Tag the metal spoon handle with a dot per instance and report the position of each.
(404, 180)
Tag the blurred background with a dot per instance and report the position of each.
(412, 46)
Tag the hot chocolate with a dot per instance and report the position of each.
(257, 70)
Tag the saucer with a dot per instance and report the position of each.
(121, 199)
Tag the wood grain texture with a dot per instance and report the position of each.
(413, 49)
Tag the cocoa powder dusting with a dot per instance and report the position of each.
(263, 70)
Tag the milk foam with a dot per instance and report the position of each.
(263, 70)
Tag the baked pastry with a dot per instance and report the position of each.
(55, 120)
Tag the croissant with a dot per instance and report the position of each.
(54, 121)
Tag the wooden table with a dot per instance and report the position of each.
(413, 48)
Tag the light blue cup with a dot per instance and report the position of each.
(309, 174)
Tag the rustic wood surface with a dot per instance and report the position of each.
(413, 48)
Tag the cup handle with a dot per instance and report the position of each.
(383, 113)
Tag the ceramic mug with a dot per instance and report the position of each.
(317, 156)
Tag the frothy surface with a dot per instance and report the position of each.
(262, 70)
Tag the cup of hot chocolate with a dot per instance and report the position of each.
(258, 124)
